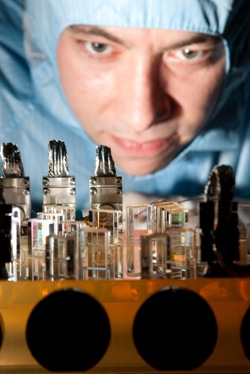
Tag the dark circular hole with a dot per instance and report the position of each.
(68, 331)
(245, 333)
(175, 329)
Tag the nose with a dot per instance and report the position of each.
(143, 96)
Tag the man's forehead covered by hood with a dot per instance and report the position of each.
(228, 19)
(200, 15)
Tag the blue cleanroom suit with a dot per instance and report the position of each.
(33, 109)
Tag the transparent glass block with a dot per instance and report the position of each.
(244, 233)
(68, 212)
(139, 222)
(14, 267)
(15, 233)
(112, 220)
(155, 256)
(167, 214)
(57, 218)
(96, 255)
(40, 229)
(72, 252)
(183, 252)
(60, 257)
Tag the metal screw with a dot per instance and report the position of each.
(72, 181)
(93, 191)
(45, 182)
(46, 191)
(72, 191)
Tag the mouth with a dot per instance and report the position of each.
(147, 148)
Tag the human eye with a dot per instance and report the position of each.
(98, 51)
(191, 58)
(188, 54)
(96, 48)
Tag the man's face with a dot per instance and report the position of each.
(143, 92)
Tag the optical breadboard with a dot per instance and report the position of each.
(128, 326)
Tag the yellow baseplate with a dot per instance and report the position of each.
(208, 332)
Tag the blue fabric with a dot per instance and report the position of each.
(33, 109)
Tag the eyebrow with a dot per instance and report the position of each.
(196, 39)
(99, 31)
